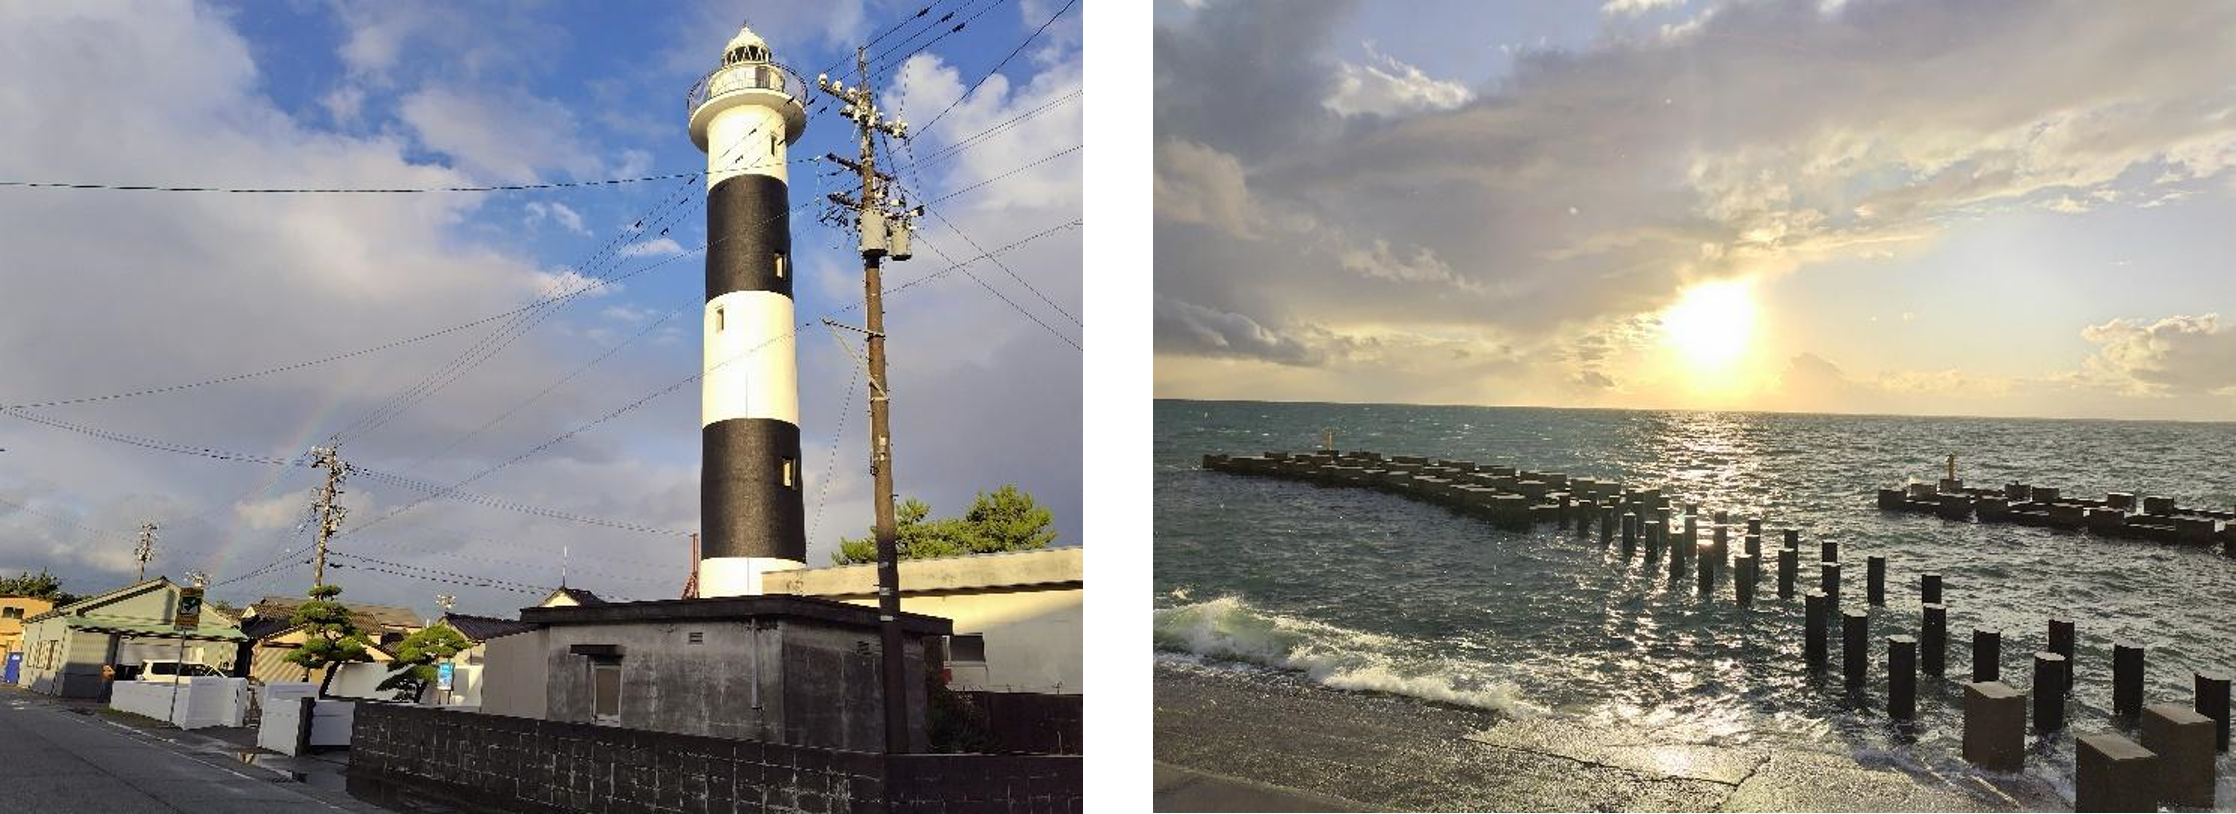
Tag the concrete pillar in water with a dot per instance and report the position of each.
(1656, 535)
(1902, 678)
(1828, 551)
(1754, 527)
(2112, 773)
(2061, 643)
(1994, 726)
(2127, 679)
(1933, 639)
(1584, 512)
(1793, 538)
(1606, 525)
(1692, 527)
(1722, 546)
(1630, 534)
(1707, 572)
(2212, 702)
(1743, 578)
(1722, 517)
(1987, 655)
(1828, 581)
(2183, 741)
(1566, 508)
(1875, 579)
(1929, 588)
(1788, 559)
(1814, 613)
(1754, 545)
(2049, 692)
(1855, 646)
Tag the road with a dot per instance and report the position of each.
(54, 759)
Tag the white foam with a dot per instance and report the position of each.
(1229, 628)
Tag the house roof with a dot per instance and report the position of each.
(142, 627)
(260, 627)
(95, 601)
(367, 616)
(580, 597)
(484, 628)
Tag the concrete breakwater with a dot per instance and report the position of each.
(2118, 514)
(1510, 497)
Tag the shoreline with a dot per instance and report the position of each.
(1275, 739)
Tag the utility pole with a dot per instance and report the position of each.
(328, 513)
(883, 225)
(146, 551)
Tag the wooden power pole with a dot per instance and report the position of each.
(328, 512)
(883, 224)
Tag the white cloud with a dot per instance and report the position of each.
(2174, 355)
(566, 217)
(1197, 184)
(656, 247)
(500, 134)
(1387, 86)
(1422, 267)
(1633, 8)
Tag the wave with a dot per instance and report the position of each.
(1230, 629)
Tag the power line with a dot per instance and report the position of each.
(892, 65)
(1043, 160)
(337, 190)
(1005, 298)
(927, 9)
(997, 66)
(1005, 269)
(1005, 125)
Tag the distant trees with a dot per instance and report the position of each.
(331, 637)
(36, 586)
(1006, 519)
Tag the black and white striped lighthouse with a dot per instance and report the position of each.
(744, 115)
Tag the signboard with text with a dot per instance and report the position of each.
(443, 673)
(190, 609)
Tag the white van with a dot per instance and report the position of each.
(166, 671)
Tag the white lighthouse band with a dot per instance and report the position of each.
(745, 115)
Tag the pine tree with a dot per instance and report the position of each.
(331, 637)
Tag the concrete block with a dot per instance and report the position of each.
(2123, 501)
(2049, 692)
(1890, 498)
(2127, 679)
(1743, 579)
(1828, 581)
(1814, 612)
(1987, 655)
(1828, 551)
(2017, 491)
(1933, 639)
(1875, 582)
(1902, 678)
(1929, 588)
(2183, 741)
(2212, 702)
(1855, 646)
(2112, 773)
(1793, 538)
(1994, 726)
(2043, 494)
(2158, 505)
(1788, 563)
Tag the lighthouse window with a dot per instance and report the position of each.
(718, 319)
(780, 266)
(792, 473)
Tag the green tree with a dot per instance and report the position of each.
(331, 636)
(36, 586)
(416, 657)
(1005, 520)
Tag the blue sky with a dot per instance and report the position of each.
(1876, 206)
(160, 289)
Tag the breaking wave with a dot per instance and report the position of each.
(1229, 628)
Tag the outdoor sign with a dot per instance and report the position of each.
(190, 609)
(442, 676)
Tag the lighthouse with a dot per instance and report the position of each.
(745, 115)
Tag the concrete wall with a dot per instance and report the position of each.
(1029, 605)
(515, 673)
(785, 681)
(519, 764)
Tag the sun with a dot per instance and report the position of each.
(1711, 324)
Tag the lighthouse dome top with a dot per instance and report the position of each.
(745, 47)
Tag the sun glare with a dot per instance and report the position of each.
(1711, 324)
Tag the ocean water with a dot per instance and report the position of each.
(1363, 591)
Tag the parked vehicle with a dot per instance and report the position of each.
(165, 671)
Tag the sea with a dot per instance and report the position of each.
(1381, 597)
